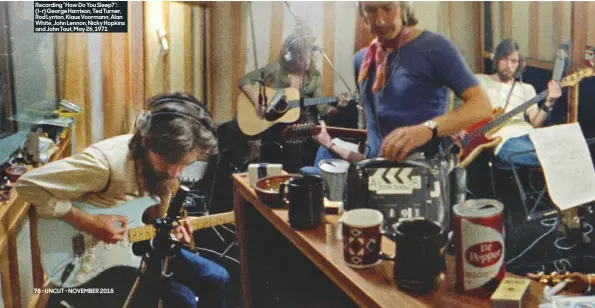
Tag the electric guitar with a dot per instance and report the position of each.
(60, 244)
(479, 135)
(575, 282)
(282, 107)
(309, 129)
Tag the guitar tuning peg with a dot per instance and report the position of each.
(544, 281)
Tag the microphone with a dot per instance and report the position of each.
(559, 65)
(175, 206)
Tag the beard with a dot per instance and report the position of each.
(504, 76)
(155, 182)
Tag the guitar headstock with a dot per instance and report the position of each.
(301, 130)
(573, 79)
(553, 278)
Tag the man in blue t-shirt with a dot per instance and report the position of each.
(404, 78)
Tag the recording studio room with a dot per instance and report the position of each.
(297, 154)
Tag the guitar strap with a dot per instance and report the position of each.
(508, 96)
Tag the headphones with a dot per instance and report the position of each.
(287, 54)
(186, 101)
(504, 48)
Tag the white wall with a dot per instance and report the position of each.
(312, 13)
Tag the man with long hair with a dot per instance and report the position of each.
(294, 68)
(506, 93)
(177, 131)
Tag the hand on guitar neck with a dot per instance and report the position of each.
(321, 134)
(577, 282)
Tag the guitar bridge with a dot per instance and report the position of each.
(78, 245)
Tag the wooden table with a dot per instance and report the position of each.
(370, 287)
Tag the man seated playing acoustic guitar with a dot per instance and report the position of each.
(294, 68)
(177, 131)
(506, 93)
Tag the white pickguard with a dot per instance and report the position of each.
(56, 245)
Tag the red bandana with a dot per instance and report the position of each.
(376, 53)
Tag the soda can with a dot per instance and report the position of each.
(479, 232)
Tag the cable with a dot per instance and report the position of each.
(535, 242)
(219, 254)
(575, 244)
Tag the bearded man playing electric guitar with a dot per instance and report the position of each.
(113, 174)
(506, 93)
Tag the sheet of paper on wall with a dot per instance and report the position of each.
(567, 165)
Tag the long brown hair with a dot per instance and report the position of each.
(296, 47)
(178, 123)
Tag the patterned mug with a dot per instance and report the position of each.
(361, 237)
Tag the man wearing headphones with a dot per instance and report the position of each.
(177, 131)
(404, 79)
(294, 68)
(506, 93)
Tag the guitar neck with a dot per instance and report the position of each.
(147, 232)
(312, 101)
(509, 115)
(346, 132)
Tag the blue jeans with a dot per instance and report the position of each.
(518, 145)
(322, 154)
(196, 276)
(193, 276)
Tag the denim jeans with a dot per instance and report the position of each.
(193, 276)
(322, 154)
(518, 145)
(196, 276)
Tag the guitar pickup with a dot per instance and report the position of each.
(78, 245)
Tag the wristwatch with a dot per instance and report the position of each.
(433, 126)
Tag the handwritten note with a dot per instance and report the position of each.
(567, 165)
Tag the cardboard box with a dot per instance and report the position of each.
(258, 171)
(511, 292)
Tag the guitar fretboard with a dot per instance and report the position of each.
(147, 232)
(509, 115)
(312, 101)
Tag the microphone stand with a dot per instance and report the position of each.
(262, 95)
(161, 248)
(320, 49)
(361, 117)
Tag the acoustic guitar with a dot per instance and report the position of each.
(282, 107)
(60, 244)
(480, 136)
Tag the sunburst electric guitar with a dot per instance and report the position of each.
(282, 107)
(480, 135)
(61, 244)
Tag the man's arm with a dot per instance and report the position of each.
(536, 115)
(324, 139)
(403, 140)
(475, 108)
(50, 188)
